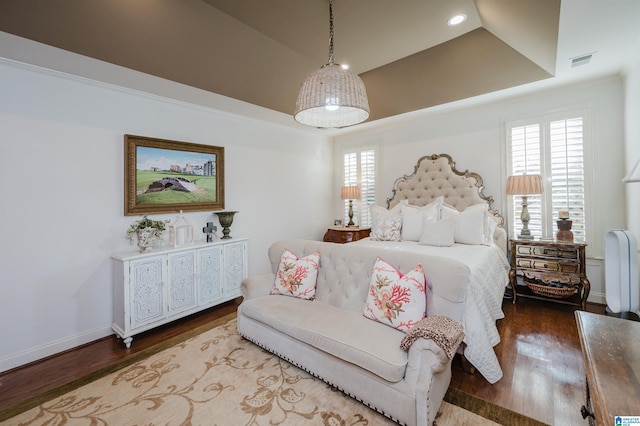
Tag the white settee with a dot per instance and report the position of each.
(330, 338)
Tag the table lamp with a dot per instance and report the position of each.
(524, 185)
(350, 193)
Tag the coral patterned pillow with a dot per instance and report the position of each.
(396, 300)
(297, 277)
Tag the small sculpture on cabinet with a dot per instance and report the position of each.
(210, 230)
(564, 226)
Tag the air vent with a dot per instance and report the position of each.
(581, 60)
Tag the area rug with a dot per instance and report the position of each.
(215, 377)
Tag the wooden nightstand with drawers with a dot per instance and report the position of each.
(346, 235)
(549, 270)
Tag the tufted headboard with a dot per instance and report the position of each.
(436, 175)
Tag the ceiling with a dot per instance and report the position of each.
(409, 58)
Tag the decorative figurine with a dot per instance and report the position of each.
(210, 230)
(564, 226)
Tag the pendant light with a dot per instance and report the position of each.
(332, 96)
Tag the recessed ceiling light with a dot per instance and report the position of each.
(345, 66)
(457, 19)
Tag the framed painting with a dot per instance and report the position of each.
(163, 176)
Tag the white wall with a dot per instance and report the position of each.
(473, 136)
(61, 208)
(632, 145)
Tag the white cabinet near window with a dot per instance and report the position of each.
(151, 289)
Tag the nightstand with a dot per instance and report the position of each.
(549, 270)
(345, 235)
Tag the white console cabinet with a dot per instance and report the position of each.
(151, 289)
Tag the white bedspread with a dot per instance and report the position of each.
(488, 277)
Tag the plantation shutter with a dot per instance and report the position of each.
(526, 158)
(567, 173)
(359, 168)
(367, 185)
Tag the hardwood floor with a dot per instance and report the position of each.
(544, 374)
(26, 382)
(540, 354)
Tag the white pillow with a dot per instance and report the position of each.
(414, 216)
(386, 224)
(447, 211)
(491, 229)
(388, 229)
(439, 233)
(471, 224)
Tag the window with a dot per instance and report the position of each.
(554, 148)
(359, 168)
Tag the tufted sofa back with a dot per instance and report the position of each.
(344, 273)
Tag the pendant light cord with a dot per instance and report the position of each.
(331, 58)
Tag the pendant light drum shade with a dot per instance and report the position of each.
(332, 97)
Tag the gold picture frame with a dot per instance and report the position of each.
(165, 176)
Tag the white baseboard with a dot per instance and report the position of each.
(52, 348)
(597, 298)
(595, 273)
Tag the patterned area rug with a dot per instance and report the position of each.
(215, 377)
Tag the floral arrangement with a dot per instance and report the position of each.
(151, 228)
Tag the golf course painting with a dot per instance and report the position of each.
(163, 176)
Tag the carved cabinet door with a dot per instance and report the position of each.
(235, 268)
(148, 298)
(182, 281)
(210, 274)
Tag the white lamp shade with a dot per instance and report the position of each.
(332, 97)
(350, 192)
(524, 185)
(634, 174)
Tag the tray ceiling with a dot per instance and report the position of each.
(259, 52)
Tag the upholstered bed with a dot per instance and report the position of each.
(480, 247)
(436, 176)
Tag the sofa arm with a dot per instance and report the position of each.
(427, 350)
(429, 373)
(425, 359)
(257, 285)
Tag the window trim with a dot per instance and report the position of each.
(592, 217)
(359, 206)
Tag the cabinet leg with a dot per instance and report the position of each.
(586, 289)
(127, 342)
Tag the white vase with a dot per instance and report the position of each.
(145, 238)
